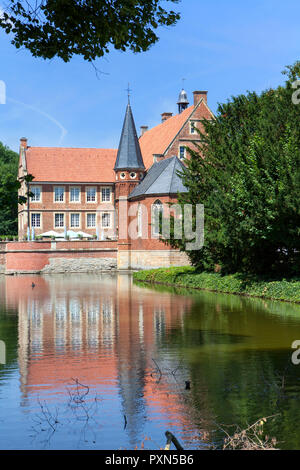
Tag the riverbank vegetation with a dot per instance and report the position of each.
(246, 172)
(250, 285)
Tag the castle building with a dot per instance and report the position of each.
(94, 191)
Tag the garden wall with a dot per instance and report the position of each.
(57, 257)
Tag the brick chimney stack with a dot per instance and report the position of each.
(198, 95)
(23, 142)
(143, 130)
(166, 116)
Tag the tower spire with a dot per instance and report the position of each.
(129, 155)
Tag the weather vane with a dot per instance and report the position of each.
(183, 80)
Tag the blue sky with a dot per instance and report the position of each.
(225, 47)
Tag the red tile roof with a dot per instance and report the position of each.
(71, 164)
(92, 165)
(157, 139)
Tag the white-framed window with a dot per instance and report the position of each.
(36, 220)
(105, 194)
(37, 193)
(75, 220)
(91, 220)
(105, 220)
(156, 217)
(74, 194)
(91, 194)
(193, 127)
(59, 220)
(182, 152)
(59, 193)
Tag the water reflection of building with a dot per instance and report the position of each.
(102, 330)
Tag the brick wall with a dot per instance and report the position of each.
(29, 257)
(150, 242)
(185, 138)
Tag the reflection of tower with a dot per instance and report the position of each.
(131, 359)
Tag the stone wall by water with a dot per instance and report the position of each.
(79, 265)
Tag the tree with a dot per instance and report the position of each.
(9, 186)
(8, 192)
(246, 172)
(88, 28)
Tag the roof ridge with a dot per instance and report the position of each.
(174, 164)
(70, 148)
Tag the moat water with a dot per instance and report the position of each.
(97, 362)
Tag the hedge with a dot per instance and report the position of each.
(275, 289)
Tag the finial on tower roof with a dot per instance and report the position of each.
(128, 92)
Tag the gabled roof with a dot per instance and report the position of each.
(129, 152)
(156, 140)
(82, 165)
(162, 178)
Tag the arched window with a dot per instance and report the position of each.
(156, 217)
(140, 220)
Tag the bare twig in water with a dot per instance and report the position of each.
(251, 438)
(158, 370)
(171, 438)
(47, 415)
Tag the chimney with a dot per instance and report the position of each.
(23, 142)
(166, 116)
(198, 95)
(143, 130)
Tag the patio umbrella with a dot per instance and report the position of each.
(84, 235)
(72, 234)
(51, 233)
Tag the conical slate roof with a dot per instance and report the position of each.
(162, 178)
(129, 153)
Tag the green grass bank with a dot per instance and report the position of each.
(253, 286)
